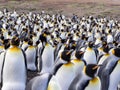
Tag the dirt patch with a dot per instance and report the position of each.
(68, 7)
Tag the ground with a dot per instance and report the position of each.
(67, 7)
(107, 8)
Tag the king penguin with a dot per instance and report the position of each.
(64, 56)
(39, 82)
(6, 45)
(31, 54)
(78, 62)
(104, 56)
(108, 67)
(88, 80)
(114, 77)
(14, 68)
(65, 72)
(53, 84)
(90, 55)
(47, 58)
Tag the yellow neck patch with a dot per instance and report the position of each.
(1, 47)
(76, 60)
(68, 64)
(90, 49)
(31, 47)
(107, 54)
(94, 80)
(118, 61)
(14, 49)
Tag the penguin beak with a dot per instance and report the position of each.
(69, 52)
(96, 67)
(81, 53)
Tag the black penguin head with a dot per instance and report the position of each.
(66, 55)
(55, 43)
(26, 39)
(67, 47)
(6, 43)
(43, 38)
(90, 44)
(15, 41)
(30, 42)
(79, 54)
(106, 48)
(91, 70)
(116, 52)
(104, 43)
(115, 43)
(37, 42)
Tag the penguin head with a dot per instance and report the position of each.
(43, 38)
(6, 43)
(106, 48)
(90, 44)
(91, 70)
(67, 47)
(37, 43)
(116, 52)
(79, 54)
(104, 43)
(73, 46)
(55, 42)
(115, 43)
(66, 55)
(15, 41)
(30, 42)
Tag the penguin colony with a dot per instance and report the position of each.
(68, 53)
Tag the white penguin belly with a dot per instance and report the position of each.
(114, 77)
(31, 57)
(47, 60)
(14, 71)
(90, 57)
(65, 75)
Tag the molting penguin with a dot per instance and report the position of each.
(14, 68)
(87, 80)
(31, 54)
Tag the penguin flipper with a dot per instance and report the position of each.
(105, 80)
(39, 82)
(77, 84)
(74, 83)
